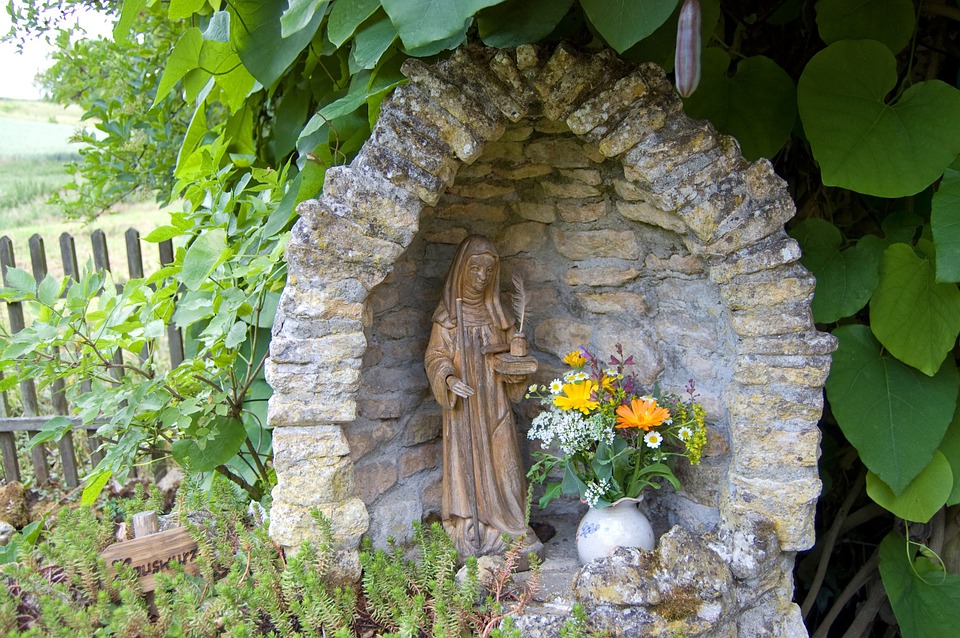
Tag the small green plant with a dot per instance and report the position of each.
(247, 585)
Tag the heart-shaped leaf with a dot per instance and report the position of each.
(950, 447)
(422, 22)
(945, 224)
(862, 142)
(845, 279)
(921, 499)
(623, 23)
(517, 22)
(893, 414)
(757, 105)
(925, 599)
(912, 315)
(888, 21)
(345, 17)
(225, 439)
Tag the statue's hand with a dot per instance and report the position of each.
(458, 387)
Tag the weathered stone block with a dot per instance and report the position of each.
(602, 107)
(423, 457)
(807, 371)
(365, 437)
(770, 287)
(788, 504)
(758, 405)
(613, 302)
(679, 264)
(559, 152)
(599, 276)
(374, 477)
(525, 171)
(591, 244)
(291, 525)
(545, 213)
(758, 449)
(481, 120)
(283, 410)
(525, 237)
(461, 138)
(452, 236)
(777, 250)
(569, 190)
(581, 213)
(322, 350)
(579, 82)
(810, 343)
(560, 336)
(473, 211)
(423, 426)
(475, 77)
(309, 479)
(482, 190)
(772, 320)
(649, 214)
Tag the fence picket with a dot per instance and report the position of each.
(33, 417)
(68, 456)
(28, 391)
(68, 255)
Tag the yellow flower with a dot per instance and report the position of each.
(575, 359)
(641, 413)
(576, 396)
(607, 382)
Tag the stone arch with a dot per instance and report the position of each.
(681, 181)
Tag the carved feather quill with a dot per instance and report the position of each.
(520, 298)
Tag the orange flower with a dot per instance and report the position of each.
(576, 396)
(641, 413)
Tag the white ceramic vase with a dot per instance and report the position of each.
(621, 524)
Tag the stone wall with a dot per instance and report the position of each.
(631, 223)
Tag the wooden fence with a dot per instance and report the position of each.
(33, 415)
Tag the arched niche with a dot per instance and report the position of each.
(632, 222)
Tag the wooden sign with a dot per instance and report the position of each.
(155, 553)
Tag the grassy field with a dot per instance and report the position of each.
(34, 146)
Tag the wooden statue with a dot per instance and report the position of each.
(474, 378)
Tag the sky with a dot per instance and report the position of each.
(17, 71)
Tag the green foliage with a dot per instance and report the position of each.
(878, 402)
(925, 598)
(256, 99)
(888, 21)
(861, 141)
(248, 587)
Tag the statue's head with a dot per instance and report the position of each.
(474, 274)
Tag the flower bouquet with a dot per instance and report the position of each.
(616, 440)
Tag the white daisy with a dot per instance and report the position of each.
(685, 433)
(653, 439)
(556, 386)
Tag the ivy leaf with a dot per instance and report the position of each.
(922, 498)
(257, 39)
(912, 315)
(226, 437)
(371, 42)
(865, 144)
(888, 21)
(203, 255)
(945, 224)
(925, 599)
(182, 9)
(623, 23)
(517, 22)
(893, 414)
(950, 447)
(345, 17)
(299, 14)
(422, 22)
(128, 15)
(184, 58)
(845, 279)
(757, 105)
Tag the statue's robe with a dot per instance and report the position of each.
(482, 425)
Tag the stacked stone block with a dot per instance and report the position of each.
(631, 222)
